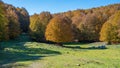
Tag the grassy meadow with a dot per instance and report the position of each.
(23, 53)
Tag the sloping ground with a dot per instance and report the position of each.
(82, 57)
(23, 53)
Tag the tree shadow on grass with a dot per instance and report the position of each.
(15, 53)
(79, 45)
(76, 43)
(87, 48)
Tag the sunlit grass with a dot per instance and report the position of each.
(22, 54)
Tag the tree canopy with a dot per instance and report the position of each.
(10, 21)
(3, 23)
(110, 31)
(38, 25)
(59, 30)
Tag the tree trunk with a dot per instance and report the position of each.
(109, 43)
(59, 44)
(0, 46)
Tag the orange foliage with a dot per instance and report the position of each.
(59, 30)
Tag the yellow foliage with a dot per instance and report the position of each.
(3, 24)
(38, 25)
(110, 30)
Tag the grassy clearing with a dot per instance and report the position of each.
(27, 54)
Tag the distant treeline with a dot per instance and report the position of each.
(96, 24)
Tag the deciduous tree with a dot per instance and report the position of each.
(59, 30)
(3, 23)
(110, 31)
(38, 25)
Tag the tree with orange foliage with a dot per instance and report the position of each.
(59, 30)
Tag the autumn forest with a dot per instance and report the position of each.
(96, 24)
(81, 38)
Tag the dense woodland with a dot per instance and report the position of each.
(96, 24)
(13, 21)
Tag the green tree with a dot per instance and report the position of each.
(38, 25)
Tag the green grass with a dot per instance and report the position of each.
(28, 54)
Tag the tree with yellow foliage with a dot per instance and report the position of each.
(38, 25)
(110, 31)
(3, 23)
(59, 30)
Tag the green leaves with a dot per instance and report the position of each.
(38, 23)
